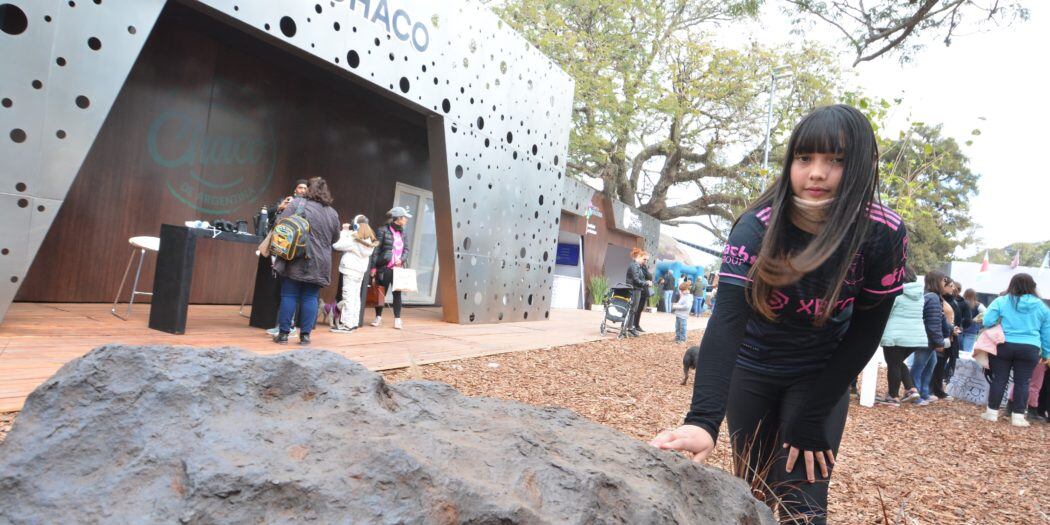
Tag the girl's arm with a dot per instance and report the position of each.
(931, 318)
(345, 241)
(806, 430)
(1045, 333)
(991, 315)
(717, 358)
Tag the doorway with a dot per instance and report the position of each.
(421, 239)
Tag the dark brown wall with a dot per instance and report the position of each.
(270, 119)
(595, 246)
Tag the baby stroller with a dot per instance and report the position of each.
(617, 305)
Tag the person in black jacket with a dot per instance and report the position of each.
(808, 279)
(937, 332)
(391, 252)
(963, 319)
(647, 292)
(637, 279)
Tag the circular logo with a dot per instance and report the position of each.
(215, 165)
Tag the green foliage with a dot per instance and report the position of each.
(598, 286)
(654, 299)
(1032, 254)
(659, 105)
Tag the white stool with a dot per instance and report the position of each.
(140, 245)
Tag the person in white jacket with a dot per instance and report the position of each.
(357, 248)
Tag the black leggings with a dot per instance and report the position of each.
(937, 379)
(759, 405)
(896, 370)
(384, 277)
(643, 298)
(1022, 359)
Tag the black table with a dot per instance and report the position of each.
(171, 282)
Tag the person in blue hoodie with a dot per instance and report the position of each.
(937, 330)
(1026, 324)
(905, 333)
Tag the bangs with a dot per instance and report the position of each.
(820, 132)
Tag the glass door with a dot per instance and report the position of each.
(421, 239)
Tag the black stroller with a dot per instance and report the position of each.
(617, 305)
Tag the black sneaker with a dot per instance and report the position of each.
(281, 338)
(304, 339)
(639, 329)
(633, 333)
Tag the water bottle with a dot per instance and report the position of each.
(264, 222)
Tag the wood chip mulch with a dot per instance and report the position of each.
(939, 464)
(914, 465)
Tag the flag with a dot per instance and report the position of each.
(984, 263)
(1017, 260)
(1046, 263)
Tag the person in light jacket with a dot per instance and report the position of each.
(357, 249)
(1026, 325)
(905, 334)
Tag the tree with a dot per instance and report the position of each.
(886, 26)
(1032, 253)
(926, 179)
(662, 112)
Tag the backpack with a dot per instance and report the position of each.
(290, 235)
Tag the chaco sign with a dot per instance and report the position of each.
(399, 22)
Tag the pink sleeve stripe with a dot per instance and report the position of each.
(882, 215)
(733, 275)
(883, 292)
(893, 227)
(888, 212)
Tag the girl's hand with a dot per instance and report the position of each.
(823, 458)
(687, 438)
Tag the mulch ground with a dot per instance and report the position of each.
(919, 465)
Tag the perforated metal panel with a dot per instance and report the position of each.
(499, 109)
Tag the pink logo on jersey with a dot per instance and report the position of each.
(736, 255)
(777, 300)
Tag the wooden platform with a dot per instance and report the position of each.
(36, 339)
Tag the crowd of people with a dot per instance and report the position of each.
(934, 324)
(683, 298)
(366, 269)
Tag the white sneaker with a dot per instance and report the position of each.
(397, 324)
(990, 414)
(378, 321)
(1018, 420)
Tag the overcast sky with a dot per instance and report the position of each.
(1000, 75)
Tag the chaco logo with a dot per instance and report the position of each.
(215, 170)
(397, 22)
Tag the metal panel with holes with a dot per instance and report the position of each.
(498, 108)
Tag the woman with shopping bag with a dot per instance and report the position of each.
(388, 262)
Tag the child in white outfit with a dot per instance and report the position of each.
(357, 247)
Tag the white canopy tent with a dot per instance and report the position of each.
(997, 278)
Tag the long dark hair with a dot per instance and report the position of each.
(837, 129)
(1020, 285)
(935, 282)
(317, 190)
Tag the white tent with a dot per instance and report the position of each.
(996, 279)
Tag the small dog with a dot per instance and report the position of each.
(689, 362)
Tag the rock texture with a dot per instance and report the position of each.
(164, 435)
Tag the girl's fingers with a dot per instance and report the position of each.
(822, 462)
(808, 456)
(792, 457)
(831, 457)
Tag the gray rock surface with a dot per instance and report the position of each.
(180, 435)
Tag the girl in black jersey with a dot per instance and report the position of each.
(808, 278)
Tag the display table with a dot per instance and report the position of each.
(174, 274)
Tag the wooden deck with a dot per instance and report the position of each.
(36, 339)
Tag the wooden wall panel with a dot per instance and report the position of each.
(595, 246)
(213, 124)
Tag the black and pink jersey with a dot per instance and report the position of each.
(791, 344)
